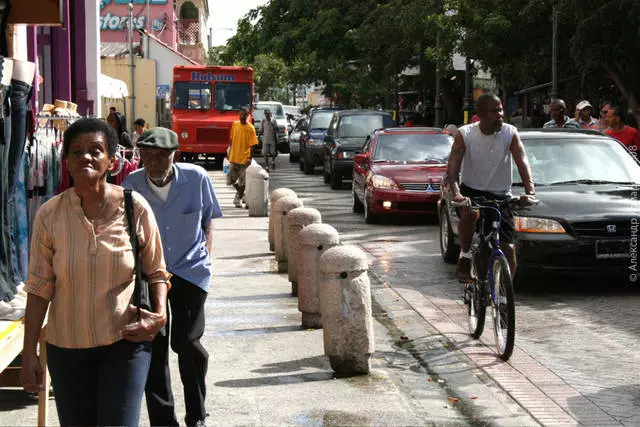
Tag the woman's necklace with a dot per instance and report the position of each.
(104, 205)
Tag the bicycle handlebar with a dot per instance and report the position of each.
(484, 202)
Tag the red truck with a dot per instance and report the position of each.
(206, 101)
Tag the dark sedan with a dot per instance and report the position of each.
(346, 135)
(399, 172)
(587, 220)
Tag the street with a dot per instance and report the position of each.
(573, 361)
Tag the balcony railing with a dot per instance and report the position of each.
(188, 31)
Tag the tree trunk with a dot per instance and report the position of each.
(625, 88)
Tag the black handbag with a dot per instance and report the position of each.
(140, 297)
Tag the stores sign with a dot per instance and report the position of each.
(104, 3)
(111, 22)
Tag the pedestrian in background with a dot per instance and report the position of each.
(243, 137)
(628, 135)
(81, 269)
(559, 118)
(269, 132)
(184, 203)
(583, 116)
(116, 121)
(139, 124)
(604, 115)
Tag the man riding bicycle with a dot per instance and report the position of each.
(482, 154)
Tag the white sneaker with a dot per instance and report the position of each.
(18, 303)
(7, 312)
(236, 202)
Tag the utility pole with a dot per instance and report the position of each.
(132, 95)
(437, 105)
(468, 96)
(554, 53)
(148, 28)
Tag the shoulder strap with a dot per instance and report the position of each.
(128, 208)
(133, 237)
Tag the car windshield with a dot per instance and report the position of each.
(413, 148)
(361, 125)
(321, 120)
(232, 96)
(588, 160)
(276, 110)
(258, 114)
(192, 95)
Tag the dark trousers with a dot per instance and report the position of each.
(185, 326)
(99, 386)
(7, 278)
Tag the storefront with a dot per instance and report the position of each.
(155, 16)
(50, 73)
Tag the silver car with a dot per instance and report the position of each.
(294, 139)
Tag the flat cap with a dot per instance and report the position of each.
(159, 138)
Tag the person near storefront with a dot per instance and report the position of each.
(81, 269)
(184, 203)
(269, 132)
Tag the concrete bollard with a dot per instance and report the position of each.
(345, 302)
(273, 198)
(256, 190)
(280, 211)
(315, 240)
(297, 219)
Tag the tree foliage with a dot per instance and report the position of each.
(358, 47)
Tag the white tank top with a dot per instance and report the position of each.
(486, 165)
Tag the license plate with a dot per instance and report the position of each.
(612, 249)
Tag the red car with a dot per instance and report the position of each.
(399, 171)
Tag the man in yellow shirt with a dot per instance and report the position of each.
(242, 138)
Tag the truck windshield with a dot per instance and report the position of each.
(232, 96)
(192, 96)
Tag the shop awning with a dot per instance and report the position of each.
(108, 87)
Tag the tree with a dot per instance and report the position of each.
(607, 38)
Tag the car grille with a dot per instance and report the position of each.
(212, 135)
(421, 186)
(603, 229)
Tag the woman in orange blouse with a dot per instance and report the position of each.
(81, 269)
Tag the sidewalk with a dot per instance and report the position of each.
(265, 370)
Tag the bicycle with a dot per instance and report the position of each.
(482, 291)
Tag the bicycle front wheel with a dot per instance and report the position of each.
(504, 308)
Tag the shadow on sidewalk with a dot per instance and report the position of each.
(11, 400)
(276, 380)
(257, 331)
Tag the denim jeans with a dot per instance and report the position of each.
(99, 386)
(20, 97)
(7, 282)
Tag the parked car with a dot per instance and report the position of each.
(294, 139)
(293, 114)
(277, 111)
(399, 171)
(346, 135)
(312, 139)
(589, 190)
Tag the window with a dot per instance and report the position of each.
(413, 148)
(192, 95)
(558, 160)
(361, 125)
(276, 109)
(320, 120)
(232, 96)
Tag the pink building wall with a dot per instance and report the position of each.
(115, 13)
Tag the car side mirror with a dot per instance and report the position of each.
(360, 158)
